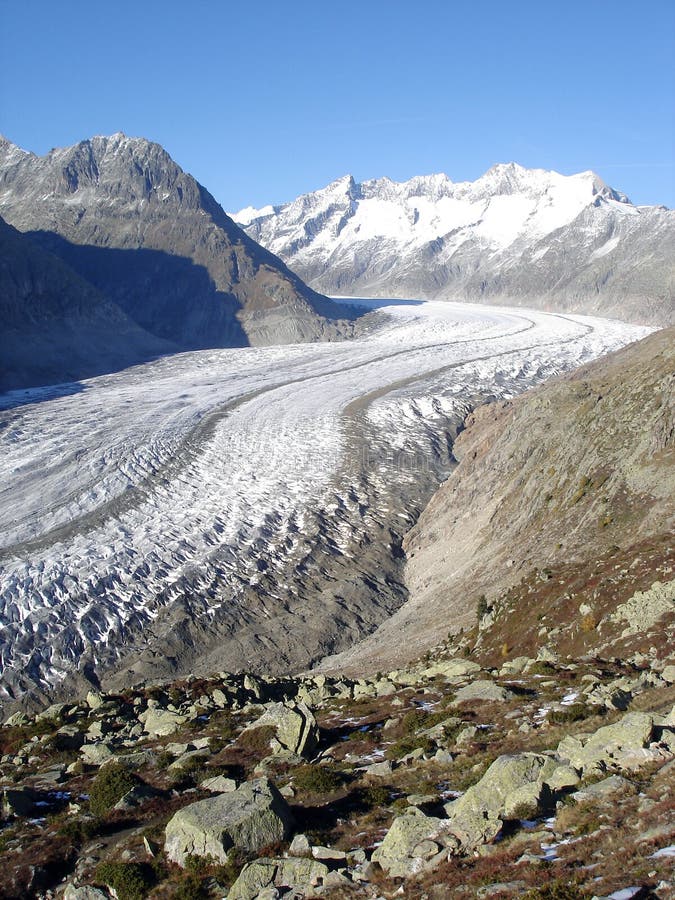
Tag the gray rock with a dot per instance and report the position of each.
(295, 726)
(482, 690)
(96, 754)
(52, 713)
(161, 722)
(615, 784)
(300, 846)
(69, 737)
(380, 769)
(95, 699)
(17, 718)
(136, 797)
(396, 853)
(219, 785)
(86, 892)
(293, 874)
(513, 787)
(249, 818)
(452, 668)
(617, 744)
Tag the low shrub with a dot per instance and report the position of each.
(317, 779)
(130, 881)
(109, 786)
(572, 713)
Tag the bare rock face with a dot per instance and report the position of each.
(154, 242)
(252, 817)
(55, 325)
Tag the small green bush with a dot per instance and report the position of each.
(559, 889)
(80, 830)
(375, 796)
(109, 786)
(191, 887)
(130, 881)
(317, 779)
(408, 744)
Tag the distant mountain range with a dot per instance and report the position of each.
(149, 263)
(514, 236)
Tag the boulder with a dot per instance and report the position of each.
(219, 784)
(95, 699)
(86, 892)
(482, 690)
(69, 737)
(452, 668)
(295, 727)
(619, 744)
(514, 787)
(17, 718)
(608, 787)
(135, 797)
(96, 754)
(295, 874)
(161, 722)
(248, 819)
(408, 833)
(52, 713)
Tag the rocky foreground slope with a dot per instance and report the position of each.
(153, 241)
(513, 236)
(446, 778)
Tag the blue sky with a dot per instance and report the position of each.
(263, 101)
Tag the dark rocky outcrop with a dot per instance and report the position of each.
(150, 239)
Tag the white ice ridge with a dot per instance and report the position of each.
(203, 464)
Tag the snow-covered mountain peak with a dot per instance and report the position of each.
(512, 232)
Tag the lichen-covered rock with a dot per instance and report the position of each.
(161, 722)
(513, 787)
(249, 818)
(295, 727)
(404, 850)
(452, 668)
(86, 892)
(482, 690)
(296, 874)
(615, 744)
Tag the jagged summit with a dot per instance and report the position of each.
(514, 235)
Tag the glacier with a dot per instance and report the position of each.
(212, 507)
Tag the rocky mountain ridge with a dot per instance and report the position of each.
(515, 236)
(153, 241)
